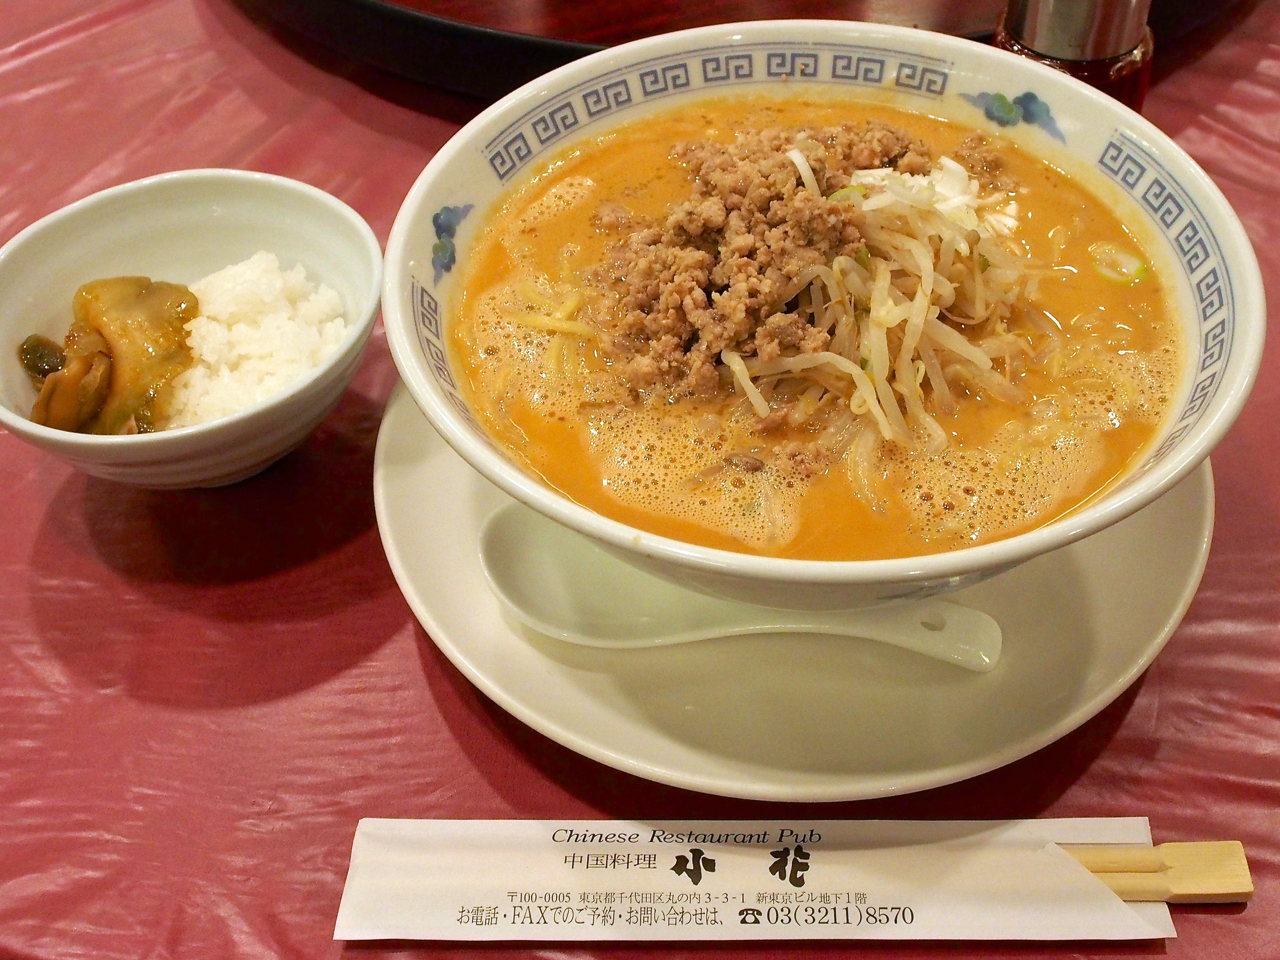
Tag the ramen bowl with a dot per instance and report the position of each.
(1166, 198)
(180, 227)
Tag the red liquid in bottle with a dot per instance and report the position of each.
(1125, 77)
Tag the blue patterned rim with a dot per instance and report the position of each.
(712, 69)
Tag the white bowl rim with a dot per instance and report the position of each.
(993, 556)
(358, 328)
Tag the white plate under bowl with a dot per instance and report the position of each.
(789, 717)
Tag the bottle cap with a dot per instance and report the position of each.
(1078, 29)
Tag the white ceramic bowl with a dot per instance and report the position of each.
(180, 227)
(1165, 195)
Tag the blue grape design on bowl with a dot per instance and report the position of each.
(443, 252)
(1024, 108)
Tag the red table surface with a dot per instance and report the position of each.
(202, 692)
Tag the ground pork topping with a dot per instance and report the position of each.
(718, 273)
(977, 155)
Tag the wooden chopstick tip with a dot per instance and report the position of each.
(1204, 871)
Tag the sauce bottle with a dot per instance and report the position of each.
(1105, 43)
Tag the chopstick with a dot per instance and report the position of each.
(1209, 871)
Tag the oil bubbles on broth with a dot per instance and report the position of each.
(817, 329)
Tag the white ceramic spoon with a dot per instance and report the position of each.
(562, 585)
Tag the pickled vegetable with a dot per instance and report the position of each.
(40, 357)
(125, 345)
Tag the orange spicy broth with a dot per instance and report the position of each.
(558, 409)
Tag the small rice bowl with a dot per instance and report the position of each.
(260, 330)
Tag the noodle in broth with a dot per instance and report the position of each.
(862, 333)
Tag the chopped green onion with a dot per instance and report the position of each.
(848, 193)
(1118, 264)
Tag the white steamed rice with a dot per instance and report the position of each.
(260, 330)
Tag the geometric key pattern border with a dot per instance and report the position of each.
(710, 69)
(1124, 160)
(426, 316)
(1172, 210)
